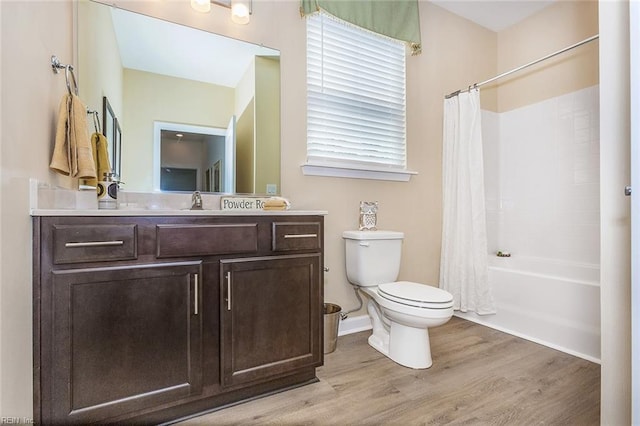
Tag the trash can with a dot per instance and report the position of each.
(331, 322)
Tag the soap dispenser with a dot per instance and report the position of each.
(108, 192)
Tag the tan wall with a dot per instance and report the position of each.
(553, 28)
(30, 33)
(245, 90)
(245, 152)
(267, 124)
(97, 75)
(459, 54)
(181, 101)
(245, 131)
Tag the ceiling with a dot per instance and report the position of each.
(162, 47)
(494, 15)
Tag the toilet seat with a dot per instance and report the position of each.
(417, 295)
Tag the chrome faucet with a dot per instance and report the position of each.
(196, 201)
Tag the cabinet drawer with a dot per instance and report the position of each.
(206, 240)
(287, 236)
(94, 243)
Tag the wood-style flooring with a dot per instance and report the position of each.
(479, 376)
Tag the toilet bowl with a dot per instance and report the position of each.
(401, 312)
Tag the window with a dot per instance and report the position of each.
(355, 99)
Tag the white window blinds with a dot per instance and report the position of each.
(355, 96)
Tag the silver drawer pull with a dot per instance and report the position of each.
(228, 291)
(95, 244)
(195, 294)
(301, 236)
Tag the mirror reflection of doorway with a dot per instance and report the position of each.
(179, 147)
(174, 179)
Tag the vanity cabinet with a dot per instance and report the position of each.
(270, 320)
(125, 338)
(150, 319)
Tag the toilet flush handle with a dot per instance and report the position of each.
(364, 243)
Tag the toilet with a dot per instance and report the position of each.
(401, 312)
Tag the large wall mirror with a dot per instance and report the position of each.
(198, 111)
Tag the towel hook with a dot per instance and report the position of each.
(68, 69)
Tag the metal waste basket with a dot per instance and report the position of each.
(331, 322)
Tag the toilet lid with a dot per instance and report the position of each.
(414, 294)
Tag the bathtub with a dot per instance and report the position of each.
(556, 304)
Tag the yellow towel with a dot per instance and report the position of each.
(72, 154)
(86, 167)
(61, 159)
(101, 157)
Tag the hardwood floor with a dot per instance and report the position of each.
(479, 376)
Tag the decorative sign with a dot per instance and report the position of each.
(242, 203)
(368, 215)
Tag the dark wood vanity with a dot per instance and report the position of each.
(149, 319)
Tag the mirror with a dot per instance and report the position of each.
(164, 79)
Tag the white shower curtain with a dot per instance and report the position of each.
(463, 263)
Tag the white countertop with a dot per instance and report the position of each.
(173, 212)
(48, 201)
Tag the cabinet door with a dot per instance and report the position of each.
(271, 316)
(124, 339)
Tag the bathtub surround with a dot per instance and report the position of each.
(463, 261)
(542, 198)
(542, 178)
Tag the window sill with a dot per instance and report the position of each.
(356, 173)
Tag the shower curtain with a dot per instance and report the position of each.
(463, 262)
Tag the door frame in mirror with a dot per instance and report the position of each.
(159, 126)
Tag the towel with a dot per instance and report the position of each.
(100, 156)
(61, 160)
(72, 153)
(276, 203)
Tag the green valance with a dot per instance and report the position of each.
(398, 19)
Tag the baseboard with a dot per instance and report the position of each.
(354, 325)
(363, 323)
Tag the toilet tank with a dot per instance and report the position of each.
(372, 257)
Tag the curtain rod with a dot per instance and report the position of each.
(504, 74)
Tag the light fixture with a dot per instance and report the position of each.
(240, 9)
(203, 6)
